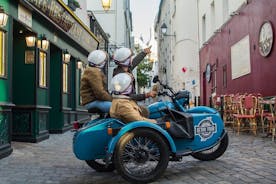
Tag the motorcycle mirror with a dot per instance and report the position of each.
(155, 79)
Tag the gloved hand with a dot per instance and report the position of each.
(151, 94)
(147, 50)
(155, 88)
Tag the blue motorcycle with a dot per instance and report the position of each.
(140, 151)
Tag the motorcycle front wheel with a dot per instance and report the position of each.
(100, 166)
(214, 152)
(141, 156)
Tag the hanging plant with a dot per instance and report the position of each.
(76, 4)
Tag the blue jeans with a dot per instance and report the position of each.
(104, 106)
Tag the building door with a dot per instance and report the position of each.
(56, 116)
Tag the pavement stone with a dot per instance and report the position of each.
(248, 159)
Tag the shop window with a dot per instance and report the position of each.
(2, 55)
(42, 69)
(65, 78)
(80, 74)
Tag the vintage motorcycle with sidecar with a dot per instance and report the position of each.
(140, 151)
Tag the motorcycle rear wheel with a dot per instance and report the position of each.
(214, 152)
(100, 166)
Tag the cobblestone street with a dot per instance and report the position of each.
(248, 159)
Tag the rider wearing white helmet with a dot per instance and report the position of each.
(123, 58)
(123, 107)
(93, 83)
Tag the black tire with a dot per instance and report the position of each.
(140, 150)
(214, 152)
(99, 165)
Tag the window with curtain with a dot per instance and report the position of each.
(42, 69)
(2, 55)
(65, 78)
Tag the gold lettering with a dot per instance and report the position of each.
(44, 5)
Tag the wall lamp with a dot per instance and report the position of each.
(66, 56)
(106, 4)
(43, 43)
(3, 17)
(234, 13)
(164, 29)
(217, 31)
(30, 41)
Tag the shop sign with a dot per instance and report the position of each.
(24, 16)
(68, 23)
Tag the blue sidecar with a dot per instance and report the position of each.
(140, 151)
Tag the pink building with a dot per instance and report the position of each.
(241, 56)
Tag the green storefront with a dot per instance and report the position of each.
(44, 48)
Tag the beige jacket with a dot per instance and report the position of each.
(93, 86)
(127, 110)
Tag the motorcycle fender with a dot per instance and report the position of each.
(140, 124)
(201, 109)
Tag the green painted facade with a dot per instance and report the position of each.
(5, 93)
(29, 112)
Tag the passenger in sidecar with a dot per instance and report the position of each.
(123, 106)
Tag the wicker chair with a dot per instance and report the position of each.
(246, 116)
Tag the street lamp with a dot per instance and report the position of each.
(164, 29)
(106, 4)
(3, 17)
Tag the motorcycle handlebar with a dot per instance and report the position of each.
(164, 93)
(168, 87)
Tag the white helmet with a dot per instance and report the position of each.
(97, 58)
(121, 83)
(122, 56)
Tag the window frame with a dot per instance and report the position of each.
(45, 70)
(67, 78)
(224, 76)
(4, 57)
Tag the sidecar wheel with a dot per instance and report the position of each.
(214, 152)
(99, 165)
(141, 156)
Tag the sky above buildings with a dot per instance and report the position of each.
(143, 15)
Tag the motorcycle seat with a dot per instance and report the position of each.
(95, 111)
(99, 112)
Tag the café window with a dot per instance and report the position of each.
(2, 55)
(65, 78)
(42, 69)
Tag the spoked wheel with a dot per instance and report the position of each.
(100, 166)
(141, 156)
(215, 152)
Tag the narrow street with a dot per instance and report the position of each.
(248, 159)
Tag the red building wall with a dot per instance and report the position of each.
(262, 78)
